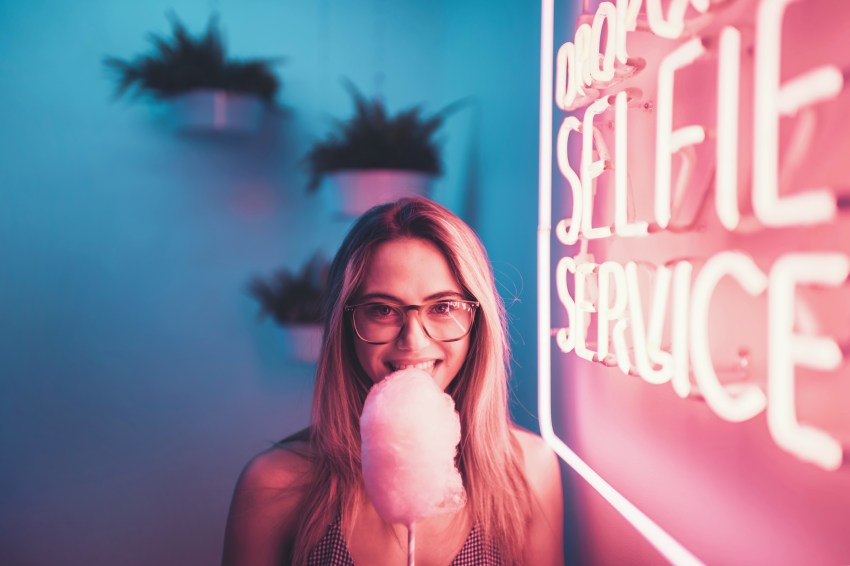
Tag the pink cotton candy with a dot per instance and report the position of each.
(410, 432)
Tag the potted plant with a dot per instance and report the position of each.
(295, 300)
(209, 90)
(375, 157)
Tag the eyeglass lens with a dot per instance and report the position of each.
(442, 320)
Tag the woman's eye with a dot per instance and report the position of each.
(379, 311)
(444, 307)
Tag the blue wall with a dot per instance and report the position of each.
(135, 380)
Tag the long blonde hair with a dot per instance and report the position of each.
(489, 458)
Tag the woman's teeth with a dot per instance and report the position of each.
(422, 365)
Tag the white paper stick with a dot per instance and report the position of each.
(411, 544)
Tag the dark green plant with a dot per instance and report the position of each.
(181, 63)
(292, 298)
(373, 139)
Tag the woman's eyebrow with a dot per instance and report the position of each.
(443, 295)
(371, 296)
(388, 297)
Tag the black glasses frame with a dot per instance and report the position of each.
(418, 308)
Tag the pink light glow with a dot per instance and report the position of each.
(649, 529)
(742, 306)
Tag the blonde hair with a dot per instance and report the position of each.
(490, 459)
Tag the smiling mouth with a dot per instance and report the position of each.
(424, 366)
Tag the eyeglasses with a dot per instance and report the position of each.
(445, 320)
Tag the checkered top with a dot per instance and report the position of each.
(332, 550)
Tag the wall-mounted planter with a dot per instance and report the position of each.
(355, 192)
(303, 341)
(207, 110)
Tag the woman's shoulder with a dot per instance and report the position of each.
(262, 519)
(543, 474)
(540, 464)
(281, 466)
(535, 450)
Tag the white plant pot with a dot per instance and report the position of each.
(355, 192)
(303, 341)
(207, 110)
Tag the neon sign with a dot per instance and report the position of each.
(605, 302)
(625, 337)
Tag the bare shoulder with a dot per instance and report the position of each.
(543, 473)
(262, 520)
(542, 470)
(280, 467)
(534, 448)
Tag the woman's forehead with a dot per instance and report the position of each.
(410, 269)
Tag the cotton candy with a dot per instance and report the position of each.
(410, 431)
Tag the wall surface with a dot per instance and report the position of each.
(135, 378)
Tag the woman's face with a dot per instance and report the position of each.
(410, 271)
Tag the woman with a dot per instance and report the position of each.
(400, 269)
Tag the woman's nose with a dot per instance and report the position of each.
(412, 336)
